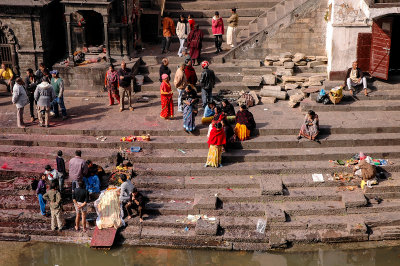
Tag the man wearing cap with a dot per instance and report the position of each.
(58, 86)
(207, 82)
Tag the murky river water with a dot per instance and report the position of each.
(33, 253)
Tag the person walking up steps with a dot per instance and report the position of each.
(182, 31)
(218, 31)
(195, 42)
(168, 32)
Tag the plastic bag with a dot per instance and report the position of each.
(261, 224)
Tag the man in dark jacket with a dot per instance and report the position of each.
(355, 77)
(31, 83)
(125, 87)
(207, 82)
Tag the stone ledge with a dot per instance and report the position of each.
(207, 227)
(353, 199)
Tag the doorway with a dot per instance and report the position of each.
(5, 51)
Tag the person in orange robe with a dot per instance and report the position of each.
(167, 103)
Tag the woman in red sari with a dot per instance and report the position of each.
(215, 142)
(112, 84)
(167, 104)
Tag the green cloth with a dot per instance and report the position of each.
(56, 85)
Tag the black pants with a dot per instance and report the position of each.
(166, 42)
(31, 104)
(218, 42)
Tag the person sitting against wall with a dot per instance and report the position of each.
(355, 77)
(6, 76)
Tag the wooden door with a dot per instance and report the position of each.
(380, 48)
(364, 51)
(5, 51)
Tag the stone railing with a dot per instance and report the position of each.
(299, 8)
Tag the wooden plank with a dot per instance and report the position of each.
(103, 238)
(381, 41)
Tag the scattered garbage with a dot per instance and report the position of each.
(261, 225)
(182, 151)
(135, 149)
(22, 197)
(191, 219)
(5, 167)
(135, 138)
(101, 138)
(318, 178)
(186, 229)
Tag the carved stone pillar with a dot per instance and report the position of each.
(69, 36)
(105, 21)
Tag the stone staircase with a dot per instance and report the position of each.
(203, 11)
(266, 178)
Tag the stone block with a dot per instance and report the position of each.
(268, 99)
(278, 239)
(293, 79)
(315, 63)
(297, 97)
(269, 79)
(268, 63)
(255, 97)
(306, 84)
(316, 79)
(321, 58)
(298, 57)
(311, 58)
(252, 81)
(272, 58)
(206, 202)
(285, 55)
(271, 88)
(284, 60)
(353, 199)
(278, 63)
(291, 86)
(271, 186)
(301, 63)
(288, 65)
(312, 89)
(281, 71)
(274, 214)
(207, 227)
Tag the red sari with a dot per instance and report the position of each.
(167, 104)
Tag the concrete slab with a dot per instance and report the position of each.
(204, 201)
(353, 199)
(271, 186)
(207, 227)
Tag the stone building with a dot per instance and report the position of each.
(367, 31)
(32, 31)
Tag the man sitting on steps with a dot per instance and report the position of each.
(355, 77)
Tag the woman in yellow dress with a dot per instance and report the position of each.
(216, 141)
(244, 123)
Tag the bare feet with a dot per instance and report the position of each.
(141, 220)
(129, 217)
(131, 108)
(76, 228)
(365, 92)
(120, 109)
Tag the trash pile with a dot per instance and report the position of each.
(357, 158)
(192, 219)
(135, 138)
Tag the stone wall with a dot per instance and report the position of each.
(306, 35)
(26, 28)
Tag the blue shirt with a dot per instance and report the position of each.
(208, 112)
(92, 184)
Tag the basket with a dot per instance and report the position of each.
(336, 95)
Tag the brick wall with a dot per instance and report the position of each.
(306, 35)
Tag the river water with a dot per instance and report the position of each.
(35, 253)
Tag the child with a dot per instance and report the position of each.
(40, 191)
(61, 170)
(80, 197)
(54, 197)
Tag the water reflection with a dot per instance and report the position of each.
(81, 255)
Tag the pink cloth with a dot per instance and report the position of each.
(217, 26)
(164, 76)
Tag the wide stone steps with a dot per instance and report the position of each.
(219, 5)
(372, 105)
(225, 13)
(14, 143)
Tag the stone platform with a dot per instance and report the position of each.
(265, 178)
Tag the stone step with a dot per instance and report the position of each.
(327, 129)
(224, 13)
(219, 5)
(219, 77)
(243, 21)
(371, 105)
(233, 86)
(379, 95)
(218, 68)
